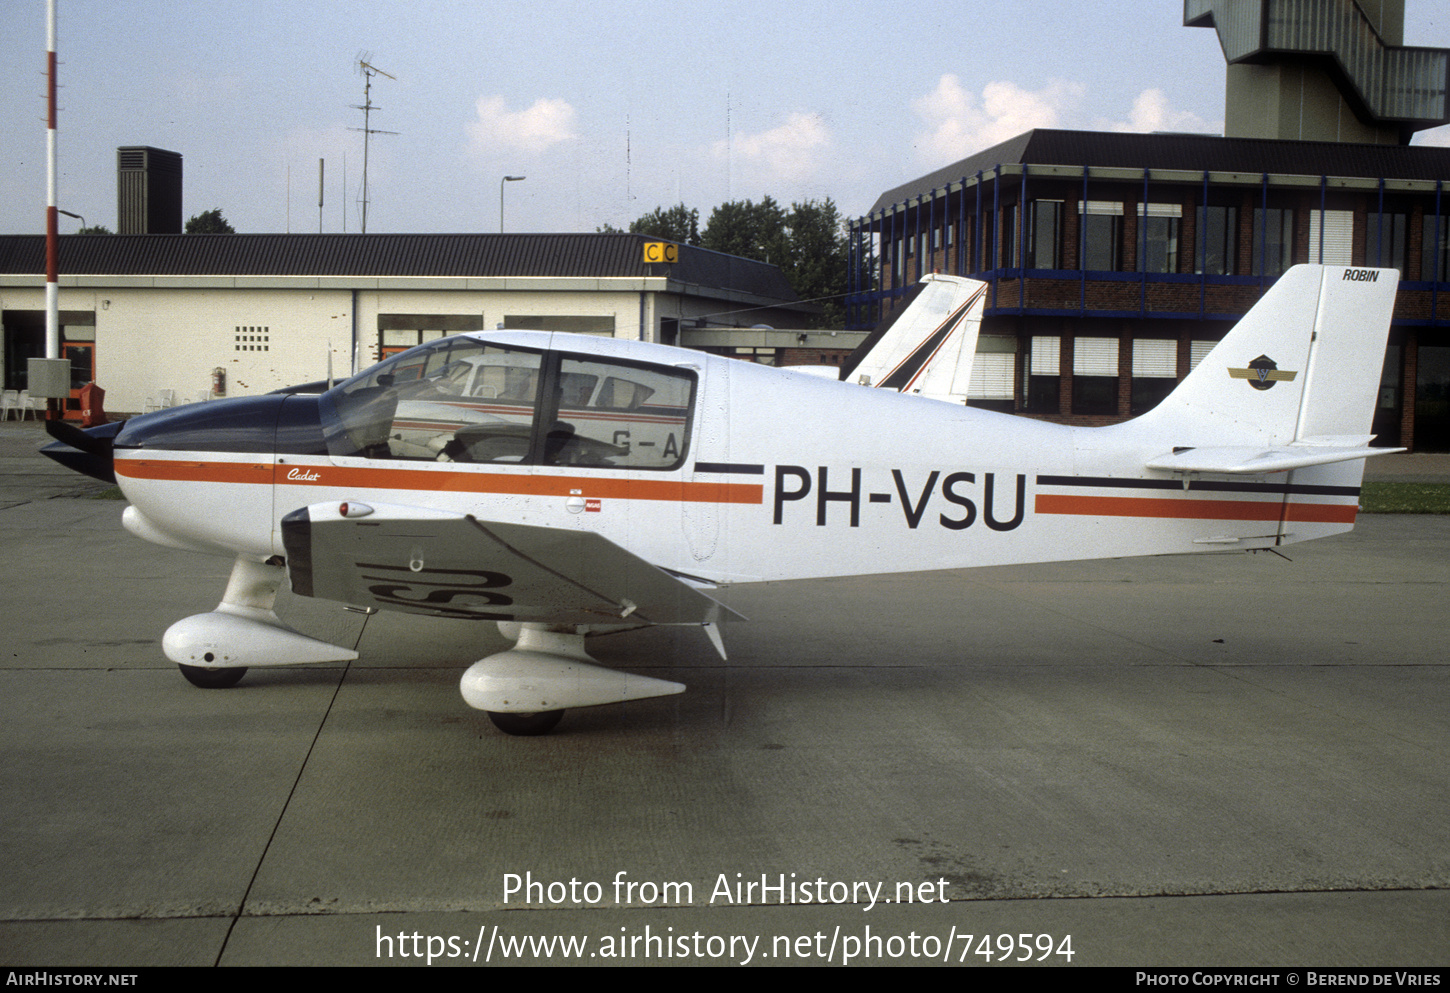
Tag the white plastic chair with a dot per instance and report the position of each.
(166, 398)
(11, 402)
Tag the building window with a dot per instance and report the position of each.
(1044, 234)
(1331, 237)
(399, 332)
(1158, 242)
(1041, 236)
(1102, 226)
(1273, 240)
(1218, 228)
(1432, 399)
(1042, 374)
(1198, 351)
(993, 370)
(1155, 372)
(602, 324)
(1386, 236)
(1436, 245)
(1095, 376)
(746, 353)
(398, 339)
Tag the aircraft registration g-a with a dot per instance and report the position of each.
(561, 484)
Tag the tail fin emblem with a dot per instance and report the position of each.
(1263, 373)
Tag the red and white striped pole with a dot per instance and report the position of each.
(52, 237)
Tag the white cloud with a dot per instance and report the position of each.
(544, 124)
(959, 122)
(789, 153)
(1151, 112)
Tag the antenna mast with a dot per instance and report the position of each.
(52, 234)
(368, 70)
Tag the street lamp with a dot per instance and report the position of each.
(506, 179)
(69, 214)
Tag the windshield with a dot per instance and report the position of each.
(427, 402)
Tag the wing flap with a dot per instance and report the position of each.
(442, 564)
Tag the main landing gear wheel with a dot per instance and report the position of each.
(524, 725)
(213, 679)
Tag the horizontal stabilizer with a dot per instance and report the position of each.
(423, 561)
(1247, 460)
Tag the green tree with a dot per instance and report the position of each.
(678, 223)
(807, 242)
(750, 230)
(818, 262)
(209, 222)
(95, 229)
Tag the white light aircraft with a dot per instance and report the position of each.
(560, 484)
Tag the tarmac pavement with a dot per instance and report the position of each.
(1222, 760)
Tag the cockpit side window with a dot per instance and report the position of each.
(629, 417)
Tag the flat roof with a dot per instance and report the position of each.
(559, 256)
(1187, 153)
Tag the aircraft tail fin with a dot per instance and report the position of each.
(1292, 384)
(926, 348)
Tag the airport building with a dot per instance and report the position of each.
(1115, 261)
(167, 318)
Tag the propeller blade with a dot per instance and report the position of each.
(87, 452)
(64, 431)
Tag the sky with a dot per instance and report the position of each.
(608, 109)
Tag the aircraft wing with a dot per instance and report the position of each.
(443, 564)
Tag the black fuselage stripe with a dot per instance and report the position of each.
(1212, 486)
(731, 468)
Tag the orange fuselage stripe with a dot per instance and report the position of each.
(440, 481)
(1193, 509)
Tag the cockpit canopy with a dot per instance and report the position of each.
(465, 399)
